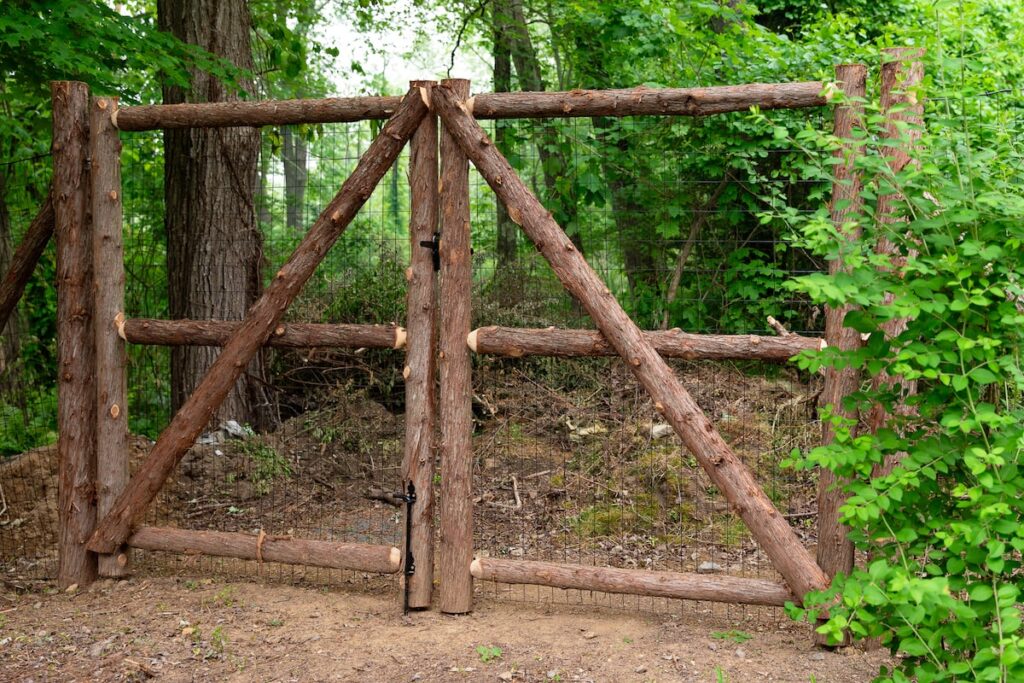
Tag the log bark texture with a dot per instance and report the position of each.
(517, 342)
(266, 113)
(24, 260)
(656, 101)
(499, 105)
(835, 551)
(420, 368)
(361, 557)
(902, 74)
(286, 335)
(455, 405)
(76, 350)
(724, 468)
(260, 322)
(683, 586)
(111, 359)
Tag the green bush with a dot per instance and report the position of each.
(943, 585)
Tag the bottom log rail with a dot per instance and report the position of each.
(516, 342)
(729, 589)
(287, 335)
(361, 557)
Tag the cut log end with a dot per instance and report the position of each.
(475, 569)
(395, 558)
(471, 340)
(400, 337)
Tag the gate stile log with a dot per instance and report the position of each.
(835, 551)
(770, 529)
(108, 297)
(455, 409)
(285, 336)
(76, 378)
(420, 370)
(259, 323)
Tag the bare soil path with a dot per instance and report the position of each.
(173, 629)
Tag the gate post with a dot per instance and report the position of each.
(76, 371)
(835, 551)
(111, 375)
(455, 410)
(420, 366)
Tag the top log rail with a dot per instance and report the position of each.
(260, 321)
(501, 105)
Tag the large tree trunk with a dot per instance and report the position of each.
(214, 246)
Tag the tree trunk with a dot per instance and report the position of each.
(214, 246)
(508, 233)
(11, 332)
(294, 152)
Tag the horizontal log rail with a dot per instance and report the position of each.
(361, 557)
(516, 342)
(153, 332)
(683, 586)
(500, 105)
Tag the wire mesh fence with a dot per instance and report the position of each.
(572, 463)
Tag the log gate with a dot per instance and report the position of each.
(100, 507)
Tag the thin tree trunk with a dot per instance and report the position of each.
(294, 153)
(10, 334)
(508, 233)
(214, 246)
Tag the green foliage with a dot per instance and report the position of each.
(944, 528)
(738, 637)
(488, 653)
(25, 428)
(267, 463)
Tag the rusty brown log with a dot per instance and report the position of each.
(265, 113)
(678, 585)
(286, 335)
(24, 261)
(108, 300)
(903, 109)
(653, 101)
(420, 366)
(76, 345)
(499, 105)
(455, 404)
(516, 342)
(725, 469)
(360, 557)
(260, 322)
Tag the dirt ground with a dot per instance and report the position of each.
(173, 629)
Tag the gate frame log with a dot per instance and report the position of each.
(76, 376)
(259, 323)
(361, 557)
(25, 259)
(153, 332)
(456, 368)
(516, 342)
(725, 469)
(420, 352)
(676, 585)
(108, 302)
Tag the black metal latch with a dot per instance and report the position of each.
(435, 246)
(408, 497)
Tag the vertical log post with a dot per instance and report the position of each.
(108, 298)
(902, 73)
(455, 409)
(76, 372)
(835, 551)
(418, 465)
(671, 399)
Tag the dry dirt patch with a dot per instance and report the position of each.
(186, 630)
